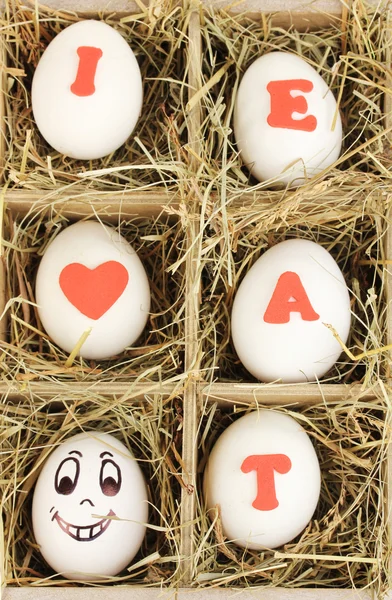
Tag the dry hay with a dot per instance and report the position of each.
(345, 544)
(32, 426)
(152, 156)
(30, 355)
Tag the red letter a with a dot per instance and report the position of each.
(289, 296)
(265, 465)
(283, 105)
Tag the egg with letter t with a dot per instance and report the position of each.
(264, 475)
(91, 281)
(90, 507)
(281, 309)
(286, 122)
(87, 91)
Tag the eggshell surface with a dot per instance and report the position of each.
(264, 474)
(91, 279)
(280, 310)
(87, 91)
(90, 507)
(286, 123)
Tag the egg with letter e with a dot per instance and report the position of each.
(264, 474)
(91, 281)
(87, 91)
(286, 122)
(90, 507)
(280, 311)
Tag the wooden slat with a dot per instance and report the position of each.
(19, 391)
(94, 8)
(82, 202)
(388, 255)
(3, 146)
(3, 88)
(301, 14)
(137, 593)
(191, 395)
(94, 593)
(228, 394)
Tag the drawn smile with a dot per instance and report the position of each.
(84, 533)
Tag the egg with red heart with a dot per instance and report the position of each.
(90, 507)
(92, 291)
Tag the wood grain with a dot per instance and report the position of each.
(137, 593)
(228, 394)
(192, 318)
(84, 203)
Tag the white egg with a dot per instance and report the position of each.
(90, 507)
(286, 122)
(90, 278)
(280, 310)
(87, 91)
(264, 474)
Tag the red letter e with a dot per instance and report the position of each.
(283, 105)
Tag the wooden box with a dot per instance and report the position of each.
(195, 383)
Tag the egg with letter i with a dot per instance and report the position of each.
(91, 283)
(90, 507)
(281, 309)
(286, 122)
(87, 91)
(264, 475)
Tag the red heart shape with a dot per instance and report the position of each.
(93, 291)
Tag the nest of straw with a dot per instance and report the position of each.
(31, 428)
(345, 544)
(351, 56)
(353, 229)
(152, 155)
(345, 210)
(31, 355)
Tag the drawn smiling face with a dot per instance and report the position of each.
(90, 490)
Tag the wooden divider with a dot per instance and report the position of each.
(3, 131)
(191, 396)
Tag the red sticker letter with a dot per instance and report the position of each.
(265, 465)
(88, 61)
(283, 105)
(289, 296)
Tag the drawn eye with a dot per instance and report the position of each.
(110, 478)
(67, 476)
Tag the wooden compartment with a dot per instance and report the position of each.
(149, 421)
(158, 239)
(185, 204)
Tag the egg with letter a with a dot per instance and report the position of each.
(286, 122)
(280, 311)
(264, 475)
(90, 507)
(87, 91)
(90, 280)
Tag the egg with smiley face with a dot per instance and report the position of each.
(90, 507)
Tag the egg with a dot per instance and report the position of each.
(90, 279)
(264, 475)
(280, 311)
(87, 91)
(90, 507)
(286, 122)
